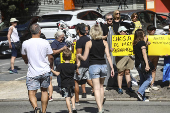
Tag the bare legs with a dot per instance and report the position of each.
(68, 103)
(50, 88)
(12, 62)
(120, 78)
(44, 98)
(99, 92)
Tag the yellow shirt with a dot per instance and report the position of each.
(138, 25)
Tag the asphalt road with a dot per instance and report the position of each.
(89, 107)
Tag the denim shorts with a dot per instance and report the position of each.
(68, 92)
(14, 50)
(34, 83)
(98, 71)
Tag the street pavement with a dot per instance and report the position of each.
(13, 86)
(89, 107)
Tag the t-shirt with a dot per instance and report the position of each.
(138, 52)
(137, 26)
(37, 51)
(116, 26)
(67, 74)
(81, 45)
(55, 45)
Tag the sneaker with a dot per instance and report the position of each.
(131, 90)
(77, 103)
(147, 90)
(92, 94)
(83, 95)
(13, 71)
(154, 87)
(37, 110)
(146, 100)
(120, 91)
(74, 110)
(139, 96)
(50, 99)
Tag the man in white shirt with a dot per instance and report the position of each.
(37, 53)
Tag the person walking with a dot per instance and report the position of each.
(13, 38)
(141, 63)
(124, 64)
(95, 49)
(154, 59)
(138, 25)
(82, 73)
(35, 52)
(66, 70)
(58, 45)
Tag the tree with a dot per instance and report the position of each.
(14, 8)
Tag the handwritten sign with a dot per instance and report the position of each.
(122, 44)
(160, 45)
(73, 55)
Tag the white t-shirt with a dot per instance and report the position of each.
(14, 35)
(37, 51)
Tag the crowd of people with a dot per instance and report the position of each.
(92, 51)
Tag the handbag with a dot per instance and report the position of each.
(17, 44)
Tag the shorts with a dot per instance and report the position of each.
(34, 83)
(123, 63)
(84, 74)
(98, 71)
(68, 92)
(14, 51)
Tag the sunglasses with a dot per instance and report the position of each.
(117, 13)
(109, 19)
(123, 31)
(135, 16)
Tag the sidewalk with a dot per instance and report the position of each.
(17, 90)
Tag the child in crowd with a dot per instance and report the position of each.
(66, 70)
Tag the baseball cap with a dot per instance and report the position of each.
(151, 27)
(81, 28)
(13, 20)
(122, 28)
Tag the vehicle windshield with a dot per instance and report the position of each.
(125, 17)
(55, 18)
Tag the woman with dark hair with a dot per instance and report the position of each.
(138, 25)
(141, 63)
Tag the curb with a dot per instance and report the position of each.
(90, 99)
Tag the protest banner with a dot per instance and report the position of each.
(160, 45)
(73, 55)
(122, 44)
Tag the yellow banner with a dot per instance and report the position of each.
(73, 55)
(160, 45)
(122, 45)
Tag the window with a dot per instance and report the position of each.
(125, 17)
(84, 15)
(95, 15)
(143, 17)
(151, 17)
(55, 18)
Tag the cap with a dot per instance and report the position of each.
(13, 20)
(81, 28)
(151, 27)
(122, 28)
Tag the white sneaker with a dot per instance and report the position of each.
(154, 88)
(77, 103)
(146, 100)
(147, 90)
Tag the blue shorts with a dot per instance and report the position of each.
(98, 71)
(14, 51)
(34, 83)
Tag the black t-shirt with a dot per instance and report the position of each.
(138, 52)
(116, 26)
(81, 45)
(67, 74)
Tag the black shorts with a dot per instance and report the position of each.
(68, 92)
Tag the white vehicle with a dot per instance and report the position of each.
(48, 22)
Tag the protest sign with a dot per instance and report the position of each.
(160, 45)
(122, 44)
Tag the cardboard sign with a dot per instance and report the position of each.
(73, 55)
(160, 45)
(122, 44)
